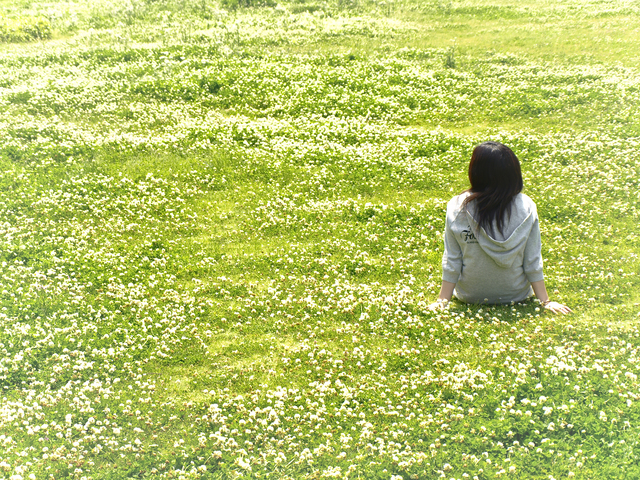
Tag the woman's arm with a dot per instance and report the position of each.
(541, 293)
(446, 292)
(532, 265)
(451, 262)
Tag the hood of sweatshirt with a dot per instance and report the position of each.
(504, 248)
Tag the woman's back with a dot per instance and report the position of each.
(496, 266)
(492, 237)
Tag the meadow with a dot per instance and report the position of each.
(221, 226)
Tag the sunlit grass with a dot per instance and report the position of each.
(220, 230)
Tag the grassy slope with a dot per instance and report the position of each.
(304, 250)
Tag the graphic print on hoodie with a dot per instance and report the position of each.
(496, 267)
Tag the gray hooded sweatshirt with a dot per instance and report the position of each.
(496, 267)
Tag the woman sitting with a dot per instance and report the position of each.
(492, 237)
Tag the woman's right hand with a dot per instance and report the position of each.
(541, 292)
(556, 308)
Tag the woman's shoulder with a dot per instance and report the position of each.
(455, 205)
(524, 202)
(458, 200)
(526, 198)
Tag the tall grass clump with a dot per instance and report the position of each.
(24, 29)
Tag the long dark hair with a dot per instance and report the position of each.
(495, 177)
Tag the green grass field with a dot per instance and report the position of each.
(221, 225)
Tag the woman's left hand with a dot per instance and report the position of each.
(439, 304)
